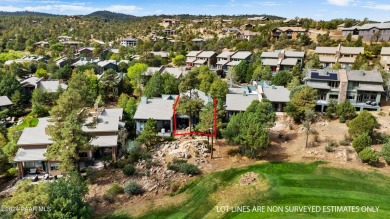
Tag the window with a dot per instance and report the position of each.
(350, 97)
(54, 166)
(333, 84)
(334, 96)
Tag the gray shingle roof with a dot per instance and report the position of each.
(108, 121)
(162, 54)
(222, 62)
(318, 84)
(225, 54)
(51, 86)
(238, 102)
(347, 59)
(294, 54)
(36, 135)
(30, 154)
(370, 87)
(241, 55)
(177, 72)
(377, 25)
(269, 55)
(325, 50)
(105, 141)
(352, 50)
(276, 94)
(272, 62)
(200, 61)
(206, 54)
(193, 53)
(327, 59)
(5, 101)
(233, 63)
(289, 61)
(385, 51)
(368, 76)
(156, 108)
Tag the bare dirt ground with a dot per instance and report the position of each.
(287, 144)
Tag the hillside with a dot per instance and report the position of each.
(25, 13)
(110, 15)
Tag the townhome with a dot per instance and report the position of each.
(128, 42)
(223, 59)
(230, 30)
(86, 52)
(280, 60)
(191, 58)
(246, 35)
(161, 110)
(370, 32)
(362, 88)
(291, 32)
(25, 59)
(385, 58)
(208, 58)
(50, 86)
(103, 126)
(169, 32)
(168, 22)
(346, 56)
(238, 99)
(238, 57)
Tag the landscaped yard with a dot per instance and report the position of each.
(278, 184)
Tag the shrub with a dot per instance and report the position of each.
(189, 168)
(174, 186)
(344, 142)
(11, 172)
(129, 170)
(91, 175)
(361, 142)
(121, 163)
(332, 143)
(183, 167)
(133, 189)
(115, 189)
(364, 122)
(386, 152)
(369, 156)
(109, 198)
(329, 148)
(345, 110)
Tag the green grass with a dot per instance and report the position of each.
(290, 184)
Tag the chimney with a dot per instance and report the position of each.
(144, 100)
(244, 93)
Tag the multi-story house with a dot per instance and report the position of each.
(385, 58)
(208, 58)
(282, 60)
(238, 57)
(374, 32)
(344, 55)
(191, 58)
(128, 42)
(291, 32)
(103, 126)
(223, 59)
(362, 88)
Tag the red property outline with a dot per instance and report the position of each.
(214, 134)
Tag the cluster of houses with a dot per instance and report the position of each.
(102, 124)
(372, 31)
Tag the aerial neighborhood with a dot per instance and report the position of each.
(106, 107)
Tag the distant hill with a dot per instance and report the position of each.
(25, 13)
(110, 15)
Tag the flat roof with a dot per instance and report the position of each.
(30, 154)
(155, 108)
(276, 94)
(105, 141)
(239, 102)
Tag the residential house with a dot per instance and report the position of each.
(198, 41)
(223, 59)
(191, 58)
(159, 109)
(42, 44)
(176, 72)
(74, 44)
(263, 18)
(25, 59)
(246, 35)
(344, 55)
(108, 64)
(169, 32)
(385, 58)
(238, 57)
(197, 21)
(86, 52)
(128, 42)
(51, 86)
(5, 102)
(282, 59)
(362, 88)
(291, 32)
(64, 38)
(102, 124)
(164, 55)
(208, 58)
(169, 22)
(238, 99)
(248, 26)
(230, 30)
(373, 31)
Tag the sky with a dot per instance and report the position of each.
(378, 10)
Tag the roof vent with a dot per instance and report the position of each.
(273, 87)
